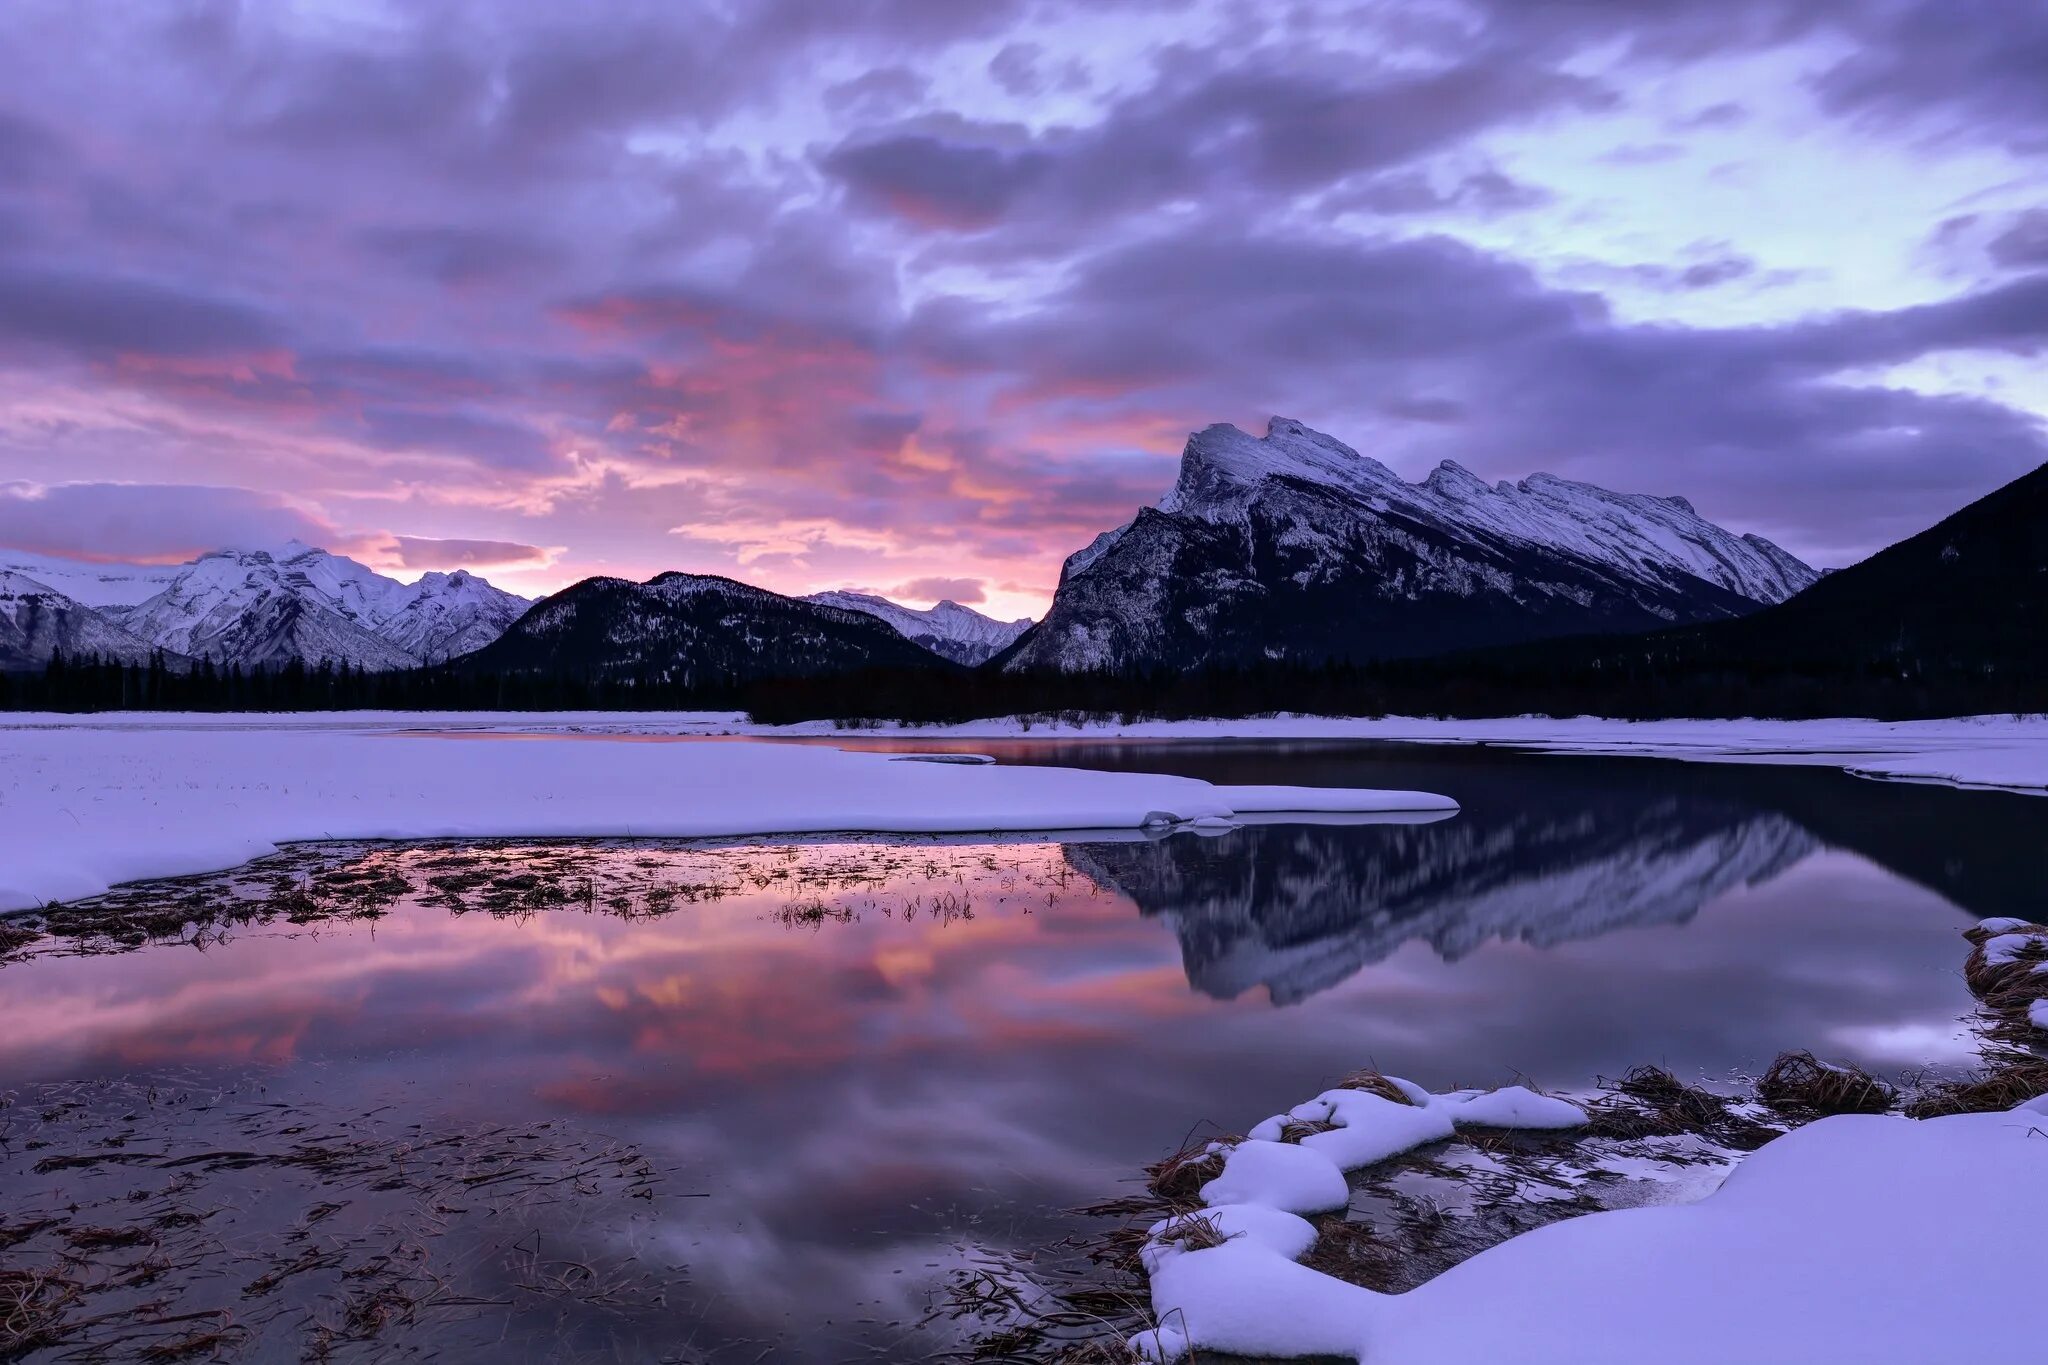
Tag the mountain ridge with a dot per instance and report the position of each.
(1294, 548)
(946, 628)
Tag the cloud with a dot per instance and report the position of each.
(1212, 128)
(461, 255)
(163, 523)
(965, 591)
(92, 314)
(2023, 243)
(1966, 68)
(1764, 417)
(423, 552)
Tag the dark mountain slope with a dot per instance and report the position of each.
(691, 631)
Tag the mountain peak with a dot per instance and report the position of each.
(1222, 464)
(1453, 480)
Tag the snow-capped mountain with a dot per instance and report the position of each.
(447, 615)
(958, 633)
(266, 608)
(93, 585)
(245, 607)
(695, 631)
(37, 621)
(1294, 547)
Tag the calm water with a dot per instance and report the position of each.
(862, 1063)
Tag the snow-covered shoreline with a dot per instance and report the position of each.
(87, 806)
(1831, 1242)
(1999, 752)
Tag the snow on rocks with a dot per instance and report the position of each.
(84, 806)
(1248, 1240)
(1843, 1240)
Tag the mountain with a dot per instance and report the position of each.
(958, 633)
(1295, 548)
(1962, 605)
(447, 615)
(93, 585)
(244, 607)
(37, 621)
(691, 631)
(265, 609)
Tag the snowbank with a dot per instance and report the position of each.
(85, 806)
(1865, 1238)
(2006, 752)
(2003, 752)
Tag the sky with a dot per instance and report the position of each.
(918, 296)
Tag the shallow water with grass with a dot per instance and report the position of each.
(805, 1101)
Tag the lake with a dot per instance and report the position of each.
(857, 1067)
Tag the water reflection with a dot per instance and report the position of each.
(873, 1060)
(1298, 910)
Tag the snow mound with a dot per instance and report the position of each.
(1858, 1237)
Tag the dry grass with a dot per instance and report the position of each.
(1801, 1083)
(2007, 989)
(1294, 1130)
(2011, 1079)
(1651, 1102)
(15, 937)
(1374, 1083)
(35, 1307)
(1177, 1181)
(1194, 1232)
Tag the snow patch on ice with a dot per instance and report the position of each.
(86, 805)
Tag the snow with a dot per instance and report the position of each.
(84, 805)
(2037, 1014)
(1513, 1106)
(1280, 1176)
(1286, 1234)
(1633, 534)
(1858, 1237)
(94, 584)
(958, 632)
(2006, 948)
(2003, 924)
(2002, 752)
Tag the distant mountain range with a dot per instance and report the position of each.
(1271, 558)
(1293, 548)
(950, 630)
(259, 609)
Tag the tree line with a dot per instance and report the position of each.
(1623, 683)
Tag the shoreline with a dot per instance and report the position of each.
(1989, 752)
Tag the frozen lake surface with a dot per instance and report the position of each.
(861, 1066)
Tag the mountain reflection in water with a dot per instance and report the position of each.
(1298, 909)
